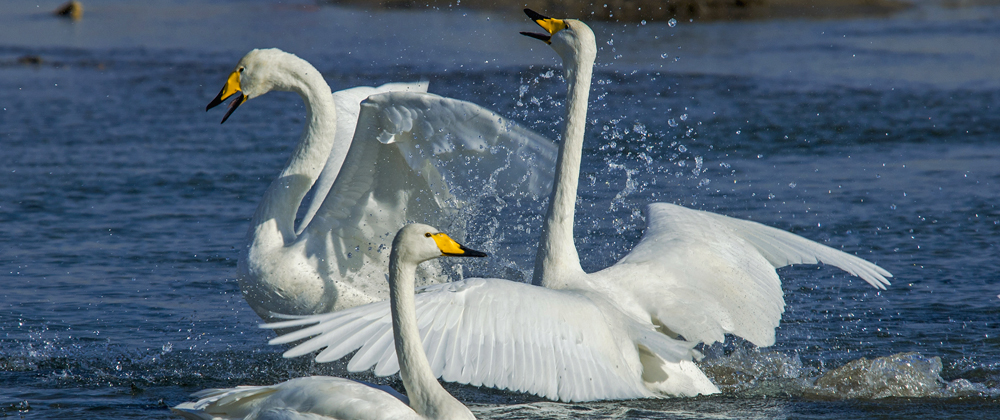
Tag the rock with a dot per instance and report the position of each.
(72, 9)
(32, 60)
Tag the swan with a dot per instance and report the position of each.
(399, 155)
(324, 397)
(694, 273)
(626, 331)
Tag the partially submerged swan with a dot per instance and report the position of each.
(413, 156)
(623, 332)
(324, 397)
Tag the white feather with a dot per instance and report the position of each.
(627, 331)
(399, 156)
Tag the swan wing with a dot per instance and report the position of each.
(561, 345)
(418, 157)
(348, 105)
(316, 397)
(702, 275)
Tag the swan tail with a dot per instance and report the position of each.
(669, 349)
(668, 368)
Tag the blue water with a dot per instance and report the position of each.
(122, 203)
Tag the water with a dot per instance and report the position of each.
(122, 202)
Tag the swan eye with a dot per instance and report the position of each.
(427, 235)
(241, 69)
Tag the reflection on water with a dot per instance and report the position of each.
(122, 203)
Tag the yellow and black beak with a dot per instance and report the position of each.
(232, 87)
(550, 25)
(450, 248)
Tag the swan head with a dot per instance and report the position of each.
(416, 243)
(570, 38)
(258, 72)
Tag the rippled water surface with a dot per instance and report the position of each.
(122, 203)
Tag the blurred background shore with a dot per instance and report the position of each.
(645, 10)
(663, 10)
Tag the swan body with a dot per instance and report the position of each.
(322, 397)
(626, 331)
(372, 165)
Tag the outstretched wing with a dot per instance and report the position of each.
(702, 275)
(561, 345)
(419, 157)
(348, 105)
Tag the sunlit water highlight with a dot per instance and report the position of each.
(122, 202)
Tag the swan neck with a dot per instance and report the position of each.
(310, 155)
(283, 197)
(557, 257)
(427, 397)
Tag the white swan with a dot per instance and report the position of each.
(695, 274)
(324, 397)
(414, 156)
(612, 334)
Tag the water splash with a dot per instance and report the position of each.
(900, 375)
(755, 372)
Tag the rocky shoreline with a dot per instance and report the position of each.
(663, 10)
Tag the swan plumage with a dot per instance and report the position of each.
(372, 165)
(626, 331)
(559, 344)
(324, 397)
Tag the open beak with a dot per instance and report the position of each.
(450, 248)
(232, 87)
(550, 25)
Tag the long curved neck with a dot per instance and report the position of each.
(427, 397)
(557, 259)
(274, 220)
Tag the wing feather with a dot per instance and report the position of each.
(703, 275)
(388, 363)
(416, 156)
(509, 335)
(348, 106)
(357, 337)
(372, 349)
